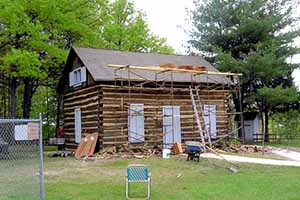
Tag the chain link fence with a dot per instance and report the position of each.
(21, 160)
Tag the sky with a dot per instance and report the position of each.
(167, 18)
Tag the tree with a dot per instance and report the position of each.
(254, 37)
(286, 125)
(125, 28)
(35, 36)
(278, 99)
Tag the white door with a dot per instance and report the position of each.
(248, 128)
(210, 120)
(77, 125)
(171, 126)
(136, 123)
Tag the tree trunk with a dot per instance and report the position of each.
(262, 129)
(58, 114)
(58, 110)
(266, 125)
(13, 97)
(238, 99)
(27, 97)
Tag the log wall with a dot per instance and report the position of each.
(115, 112)
(104, 109)
(88, 100)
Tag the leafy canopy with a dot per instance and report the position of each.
(35, 37)
(254, 37)
(36, 34)
(125, 28)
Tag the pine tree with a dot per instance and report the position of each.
(254, 37)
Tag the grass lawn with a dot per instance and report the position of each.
(286, 144)
(70, 179)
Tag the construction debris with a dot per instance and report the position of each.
(242, 149)
(63, 154)
(177, 148)
(126, 152)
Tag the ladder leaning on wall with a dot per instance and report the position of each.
(198, 112)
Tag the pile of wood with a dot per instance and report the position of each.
(124, 151)
(235, 148)
(184, 67)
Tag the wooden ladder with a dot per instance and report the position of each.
(196, 102)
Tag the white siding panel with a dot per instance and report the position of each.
(210, 120)
(77, 125)
(171, 125)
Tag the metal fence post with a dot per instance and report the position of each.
(42, 186)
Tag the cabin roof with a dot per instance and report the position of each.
(97, 61)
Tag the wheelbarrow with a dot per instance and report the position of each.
(194, 149)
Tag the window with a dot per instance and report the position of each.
(136, 123)
(77, 76)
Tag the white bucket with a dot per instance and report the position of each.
(166, 153)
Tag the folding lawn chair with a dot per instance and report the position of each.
(138, 174)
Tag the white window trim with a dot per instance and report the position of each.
(73, 76)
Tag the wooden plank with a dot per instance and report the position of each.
(87, 146)
(159, 69)
(160, 90)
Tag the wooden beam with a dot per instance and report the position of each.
(159, 69)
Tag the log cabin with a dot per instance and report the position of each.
(141, 98)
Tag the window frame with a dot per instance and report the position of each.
(76, 76)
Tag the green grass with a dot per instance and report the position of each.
(19, 179)
(292, 143)
(70, 179)
(284, 144)
(49, 148)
